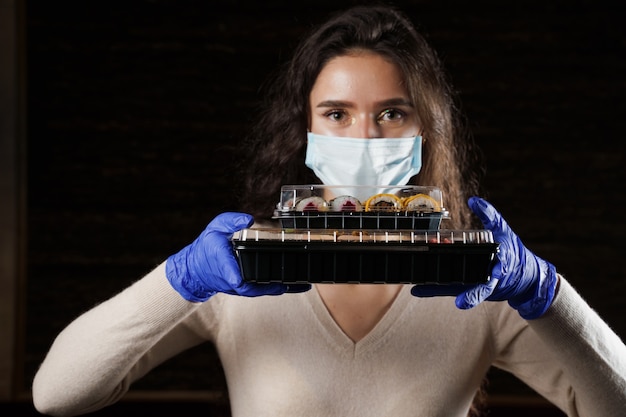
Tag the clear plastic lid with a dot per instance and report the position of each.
(360, 198)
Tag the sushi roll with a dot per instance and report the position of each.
(345, 203)
(313, 203)
(383, 202)
(421, 202)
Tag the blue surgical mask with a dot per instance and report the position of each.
(361, 161)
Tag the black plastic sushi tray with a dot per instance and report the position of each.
(365, 256)
(359, 220)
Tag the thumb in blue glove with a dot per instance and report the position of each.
(208, 265)
(525, 280)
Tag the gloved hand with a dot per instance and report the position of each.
(525, 280)
(208, 265)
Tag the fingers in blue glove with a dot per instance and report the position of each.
(436, 290)
(476, 295)
(467, 295)
(488, 215)
(519, 276)
(208, 265)
(229, 223)
(250, 289)
(296, 288)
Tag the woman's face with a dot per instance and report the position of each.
(362, 95)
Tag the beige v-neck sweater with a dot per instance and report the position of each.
(285, 356)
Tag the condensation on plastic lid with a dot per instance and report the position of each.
(321, 196)
(360, 236)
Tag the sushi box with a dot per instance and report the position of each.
(363, 234)
(365, 256)
(377, 207)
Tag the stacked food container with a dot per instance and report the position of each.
(363, 234)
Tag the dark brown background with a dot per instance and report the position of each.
(135, 109)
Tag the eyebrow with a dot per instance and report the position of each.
(334, 103)
(399, 101)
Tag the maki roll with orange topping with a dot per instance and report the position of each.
(345, 203)
(313, 203)
(421, 202)
(383, 202)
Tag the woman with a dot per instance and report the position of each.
(363, 78)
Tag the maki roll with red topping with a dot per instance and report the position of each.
(345, 203)
(383, 202)
(313, 203)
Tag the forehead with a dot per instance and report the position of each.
(363, 75)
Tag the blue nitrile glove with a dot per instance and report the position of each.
(208, 265)
(525, 280)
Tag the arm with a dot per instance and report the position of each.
(592, 356)
(584, 356)
(94, 360)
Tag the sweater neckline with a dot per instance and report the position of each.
(371, 341)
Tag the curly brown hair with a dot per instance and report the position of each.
(277, 144)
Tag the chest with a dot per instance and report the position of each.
(357, 309)
(282, 354)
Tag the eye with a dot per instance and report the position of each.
(338, 116)
(391, 116)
